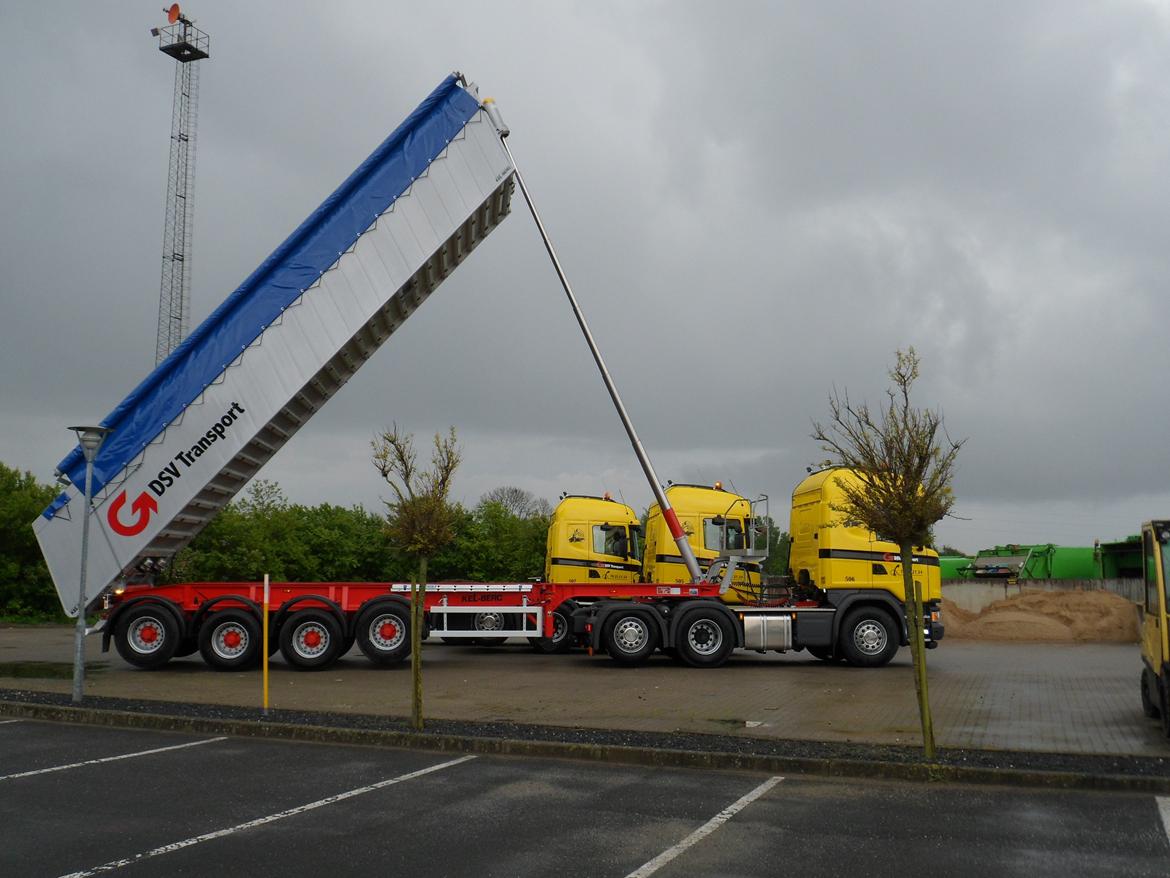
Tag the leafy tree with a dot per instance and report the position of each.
(26, 590)
(421, 520)
(944, 549)
(904, 461)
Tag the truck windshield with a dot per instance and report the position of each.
(713, 530)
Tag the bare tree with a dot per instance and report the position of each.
(517, 501)
(904, 461)
(420, 520)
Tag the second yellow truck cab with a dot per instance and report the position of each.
(716, 523)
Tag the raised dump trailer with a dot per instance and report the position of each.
(208, 418)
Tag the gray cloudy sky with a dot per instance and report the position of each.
(755, 203)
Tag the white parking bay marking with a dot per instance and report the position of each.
(109, 759)
(706, 829)
(1164, 810)
(260, 821)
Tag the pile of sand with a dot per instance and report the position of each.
(1068, 616)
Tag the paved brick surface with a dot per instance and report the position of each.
(1042, 697)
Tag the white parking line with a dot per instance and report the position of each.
(260, 821)
(706, 829)
(8, 722)
(1164, 810)
(109, 759)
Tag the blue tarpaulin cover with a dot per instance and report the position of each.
(279, 281)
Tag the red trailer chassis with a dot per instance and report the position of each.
(313, 624)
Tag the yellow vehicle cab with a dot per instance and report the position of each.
(830, 555)
(593, 538)
(1155, 640)
(715, 522)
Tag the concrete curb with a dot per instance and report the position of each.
(610, 753)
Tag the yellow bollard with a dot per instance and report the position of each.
(264, 646)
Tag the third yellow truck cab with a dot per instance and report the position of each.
(828, 554)
(593, 538)
(715, 522)
(1155, 642)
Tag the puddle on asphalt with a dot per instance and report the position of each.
(47, 670)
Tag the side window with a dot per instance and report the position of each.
(610, 540)
(1151, 571)
(713, 534)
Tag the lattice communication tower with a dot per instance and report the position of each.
(188, 46)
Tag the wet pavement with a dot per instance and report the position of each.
(1039, 697)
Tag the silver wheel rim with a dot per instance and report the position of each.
(560, 628)
(870, 637)
(142, 645)
(219, 644)
(387, 632)
(705, 637)
(630, 634)
(489, 621)
(303, 633)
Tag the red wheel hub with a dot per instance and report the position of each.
(232, 639)
(388, 631)
(148, 634)
(312, 638)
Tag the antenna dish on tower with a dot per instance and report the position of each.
(173, 13)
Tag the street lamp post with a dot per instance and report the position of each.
(91, 440)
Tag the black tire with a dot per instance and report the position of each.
(630, 637)
(229, 640)
(562, 639)
(824, 653)
(383, 633)
(147, 636)
(868, 637)
(1149, 684)
(310, 640)
(704, 638)
(1164, 706)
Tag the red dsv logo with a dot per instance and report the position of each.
(142, 507)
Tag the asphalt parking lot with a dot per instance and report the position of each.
(78, 800)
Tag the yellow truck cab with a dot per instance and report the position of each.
(1155, 647)
(715, 522)
(593, 538)
(847, 566)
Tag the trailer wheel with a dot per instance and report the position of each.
(383, 633)
(310, 639)
(490, 621)
(1149, 684)
(562, 638)
(630, 638)
(229, 640)
(704, 638)
(868, 637)
(147, 636)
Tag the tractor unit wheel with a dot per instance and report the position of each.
(704, 638)
(562, 638)
(868, 637)
(630, 638)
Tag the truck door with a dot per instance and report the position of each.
(1154, 610)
